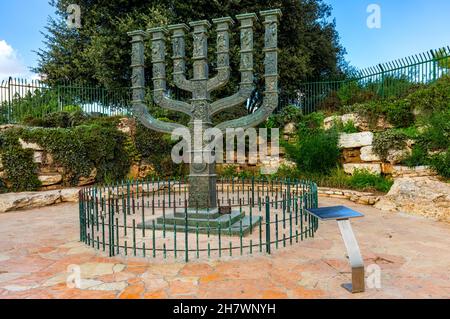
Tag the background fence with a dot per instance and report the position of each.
(392, 79)
(20, 98)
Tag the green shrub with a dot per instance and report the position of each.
(366, 181)
(57, 120)
(388, 140)
(399, 113)
(370, 111)
(155, 148)
(441, 163)
(418, 157)
(433, 98)
(19, 166)
(311, 123)
(436, 135)
(289, 114)
(315, 151)
(352, 92)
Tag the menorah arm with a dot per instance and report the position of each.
(234, 100)
(182, 82)
(167, 103)
(220, 80)
(142, 114)
(269, 105)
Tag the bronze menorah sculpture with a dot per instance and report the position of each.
(202, 178)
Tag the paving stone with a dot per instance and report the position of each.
(112, 286)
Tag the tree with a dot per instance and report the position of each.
(99, 52)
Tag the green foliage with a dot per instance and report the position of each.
(316, 151)
(434, 98)
(443, 59)
(289, 114)
(21, 171)
(399, 113)
(228, 171)
(337, 178)
(418, 157)
(57, 119)
(33, 104)
(352, 93)
(441, 163)
(311, 123)
(155, 148)
(436, 133)
(99, 52)
(388, 140)
(349, 127)
(364, 180)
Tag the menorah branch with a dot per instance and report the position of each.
(179, 56)
(271, 76)
(246, 66)
(159, 74)
(141, 113)
(138, 86)
(223, 54)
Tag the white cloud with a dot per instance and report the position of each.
(10, 63)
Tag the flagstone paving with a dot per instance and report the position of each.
(37, 247)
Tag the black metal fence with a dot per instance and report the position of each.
(134, 219)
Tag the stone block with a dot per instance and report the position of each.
(356, 140)
(368, 155)
(372, 168)
(50, 179)
(38, 157)
(352, 155)
(31, 146)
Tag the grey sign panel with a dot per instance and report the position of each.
(334, 213)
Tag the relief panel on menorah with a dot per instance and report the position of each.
(200, 111)
(223, 60)
(138, 57)
(247, 61)
(137, 79)
(178, 48)
(271, 35)
(247, 40)
(159, 71)
(271, 85)
(200, 47)
(222, 42)
(271, 64)
(158, 52)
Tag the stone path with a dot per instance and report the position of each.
(38, 246)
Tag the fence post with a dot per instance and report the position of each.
(267, 225)
(382, 80)
(9, 100)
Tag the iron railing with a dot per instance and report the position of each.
(392, 79)
(20, 98)
(136, 219)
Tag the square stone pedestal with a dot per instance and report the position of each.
(202, 219)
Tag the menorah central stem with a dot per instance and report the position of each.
(202, 178)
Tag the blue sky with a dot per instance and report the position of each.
(407, 27)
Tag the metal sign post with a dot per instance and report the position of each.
(343, 215)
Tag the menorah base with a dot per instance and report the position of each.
(236, 223)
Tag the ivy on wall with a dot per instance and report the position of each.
(81, 147)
